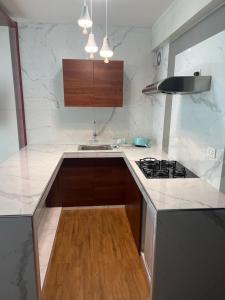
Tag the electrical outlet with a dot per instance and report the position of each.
(211, 153)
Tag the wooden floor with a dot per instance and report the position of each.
(95, 258)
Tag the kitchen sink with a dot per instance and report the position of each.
(94, 147)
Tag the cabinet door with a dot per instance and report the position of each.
(149, 243)
(108, 83)
(78, 82)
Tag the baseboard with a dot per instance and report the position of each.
(93, 207)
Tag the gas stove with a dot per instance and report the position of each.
(153, 168)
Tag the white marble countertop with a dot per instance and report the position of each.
(25, 176)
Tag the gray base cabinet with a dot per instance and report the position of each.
(19, 279)
(185, 254)
(149, 238)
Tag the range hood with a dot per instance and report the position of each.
(180, 85)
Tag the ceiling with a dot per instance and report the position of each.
(121, 12)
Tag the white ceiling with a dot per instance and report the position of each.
(121, 12)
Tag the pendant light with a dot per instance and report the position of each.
(91, 46)
(85, 21)
(106, 52)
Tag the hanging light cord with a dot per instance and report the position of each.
(106, 17)
(104, 126)
(91, 15)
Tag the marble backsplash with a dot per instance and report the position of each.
(42, 48)
(159, 100)
(198, 121)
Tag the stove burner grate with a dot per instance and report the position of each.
(153, 168)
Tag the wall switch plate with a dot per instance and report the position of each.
(211, 153)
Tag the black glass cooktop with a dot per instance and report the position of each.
(153, 168)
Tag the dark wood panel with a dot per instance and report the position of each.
(110, 74)
(54, 197)
(92, 83)
(108, 83)
(78, 82)
(93, 181)
(98, 181)
(78, 197)
(109, 195)
(95, 258)
(134, 208)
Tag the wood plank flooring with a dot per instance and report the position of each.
(95, 258)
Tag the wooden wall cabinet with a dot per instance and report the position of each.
(92, 83)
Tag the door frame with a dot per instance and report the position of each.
(5, 20)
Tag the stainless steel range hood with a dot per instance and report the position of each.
(180, 85)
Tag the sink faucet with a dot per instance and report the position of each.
(94, 135)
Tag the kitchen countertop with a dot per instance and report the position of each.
(25, 176)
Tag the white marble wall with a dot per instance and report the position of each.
(198, 121)
(158, 101)
(177, 18)
(42, 48)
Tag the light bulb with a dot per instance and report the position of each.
(85, 20)
(85, 30)
(91, 46)
(106, 51)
